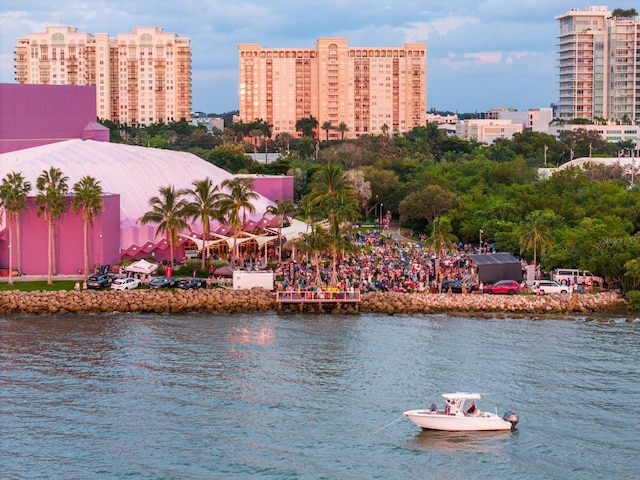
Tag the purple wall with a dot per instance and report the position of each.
(104, 245)
(32, 115)
(274, 187)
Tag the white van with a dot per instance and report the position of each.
(566, 275)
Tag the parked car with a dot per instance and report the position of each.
(128, 283)
(97, 282)
(163, 282)
(190, 283)
(456, 286)
(510, 287)
(542, 287)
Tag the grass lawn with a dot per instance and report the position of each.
(39, 286)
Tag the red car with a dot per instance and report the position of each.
(510, 287)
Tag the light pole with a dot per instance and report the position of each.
(375, 211)
(480, 234)
(381, 210)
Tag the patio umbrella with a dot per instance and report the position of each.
(225, 270)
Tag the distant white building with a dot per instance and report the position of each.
(199, 118)
(535, 119)
(264, 158)
(442, 119)
(496, 113)
(609, 133)
(486, 131)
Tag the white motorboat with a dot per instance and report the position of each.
(459, 414)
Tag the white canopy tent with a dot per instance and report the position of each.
(142, 266)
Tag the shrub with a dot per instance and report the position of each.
(634, 299)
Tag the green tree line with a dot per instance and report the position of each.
(578, 218)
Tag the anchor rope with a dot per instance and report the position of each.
(387, 426)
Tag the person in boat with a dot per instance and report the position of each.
(433, 407)
(472, 408)
(451, 409)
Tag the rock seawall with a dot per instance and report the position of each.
(255, 300)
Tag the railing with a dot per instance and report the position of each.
(318, 296)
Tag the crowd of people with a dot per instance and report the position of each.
(383, 264)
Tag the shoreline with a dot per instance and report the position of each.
(64, 302)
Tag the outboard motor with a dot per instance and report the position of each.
(511, 417)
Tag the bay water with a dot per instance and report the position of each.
(310, 396)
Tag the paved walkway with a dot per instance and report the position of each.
(395, 231)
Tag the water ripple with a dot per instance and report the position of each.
(294, 396)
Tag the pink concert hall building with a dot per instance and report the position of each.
(43, 126)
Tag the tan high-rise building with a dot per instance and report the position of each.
(141, 77)
(369, 90)
(599, 57)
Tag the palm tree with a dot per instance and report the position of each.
(255, 134)
(327, 127)
(330, 194)
(204, 206)
(52, 188)
(266, 130)
(340, 239)
(239, 197)
(283, 140)
(13, 198)
(330, 181)
(313, 243)
(307, 125)
(536, 234)
(282, 210)
(169, 211)
(308, 212)
(441, 238)
(88, 201)
(342, 128)
(346, 207)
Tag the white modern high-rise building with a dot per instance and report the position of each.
(141, 77)
(599, 64)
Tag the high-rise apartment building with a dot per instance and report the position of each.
(370, 90)
(599, 65)
(141, 77)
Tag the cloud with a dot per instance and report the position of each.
(462, 60)
(441, 27)
(512, 56)
(477, 59)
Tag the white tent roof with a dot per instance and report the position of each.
(627, 163)
(142, 266)
(135, 173)
(295, 229)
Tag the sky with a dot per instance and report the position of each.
(481, 54)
